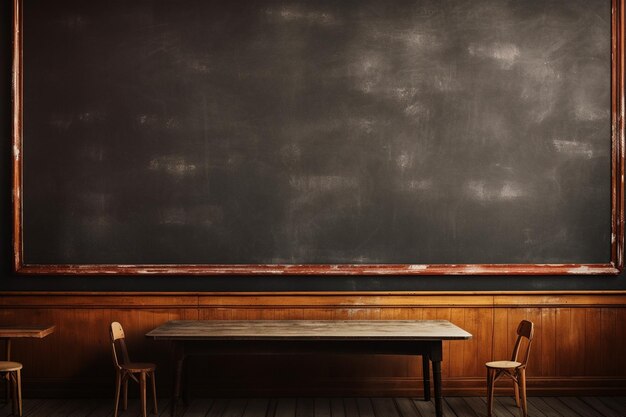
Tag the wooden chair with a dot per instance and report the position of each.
(12, 371)
(125, 370)
(514, 369)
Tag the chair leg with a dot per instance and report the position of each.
(516, 389)
(118, 388)
(142, 393)
(125, 399)
(12, 383)
(18, 386)
(490, 385)
(155, 410)
(522, 379)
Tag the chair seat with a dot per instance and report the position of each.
(9, 366)
(139, 366)
(503, 364)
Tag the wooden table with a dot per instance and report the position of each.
(16, 331)
(394, 337)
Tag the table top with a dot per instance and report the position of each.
(308, 330)
(17, 330)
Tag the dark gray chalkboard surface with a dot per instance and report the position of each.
(331, 136)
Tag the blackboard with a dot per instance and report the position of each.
(420, 137)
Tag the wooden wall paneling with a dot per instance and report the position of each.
(593, 345)
(548, 347)
(570, 343)
(608, 355)
(564, 342)
(578, 336)
(456, 348)
(482, 345)
(619, 343)
(499, 343)
(579, 341)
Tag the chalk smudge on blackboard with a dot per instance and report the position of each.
(323, 183)
(419, 185)
(573, 147)
(586, 110)
(540, 88)
(61, 121)
(73, 22)
(404, 94)
(174, 165)
(483, 190)
(368, 72)
(506, 54)
(363, 124)
(418, 110)
(155, 121)
(299, 13)
(290, 154)
(414, 39)
(66, 121)
(205, 215)
(404, 161)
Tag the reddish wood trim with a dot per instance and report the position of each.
(615, 266)
(311, 269)
(617, 134)
(17, 89)
(285, 301)
(300, 293)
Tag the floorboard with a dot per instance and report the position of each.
(618, 404)
(337, 408)
(333, 407)
(600, 406)
(560, 407)
(537, 405)
(256, 407)
(406, 408)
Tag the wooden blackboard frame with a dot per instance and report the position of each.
(615, 266)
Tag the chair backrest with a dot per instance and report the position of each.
(525, 332)
(118, 338)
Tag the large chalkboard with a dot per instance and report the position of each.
(423, 136)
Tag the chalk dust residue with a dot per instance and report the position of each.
(573, 148)
(316, 183)
(302, 14)
(486, 191)
(174, 165)
(505, 54)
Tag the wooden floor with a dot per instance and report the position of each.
(336, 407)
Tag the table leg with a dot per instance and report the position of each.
(179, 361)
(426, 372)
(438, 396)
(436, 357)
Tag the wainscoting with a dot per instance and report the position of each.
(579, 347)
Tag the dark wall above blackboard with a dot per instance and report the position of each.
(347, 134)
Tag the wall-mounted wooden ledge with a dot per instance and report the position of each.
(138, 300)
